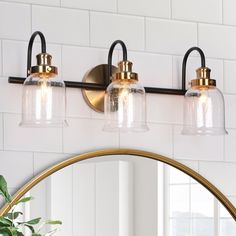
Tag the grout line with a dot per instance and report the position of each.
(197, 34)
(224, 152)
(31, 18)
(131, 50)
(222, 12)
(90, 29)
(62, 128)
(2, 58)
(119, 139)
(223, 68)
(145, 33)
(62, 140)
(104, 48)
(33, 164)
(124, 14)
(172, 70)
(27, 3)
(173, 139)
(99, 119)
(171, 9)
(61, 62)
(214, 161)
(128, 14)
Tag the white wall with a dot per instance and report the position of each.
(157, 34)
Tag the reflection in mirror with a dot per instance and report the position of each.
(128, 196)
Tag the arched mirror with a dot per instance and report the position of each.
(124, 192)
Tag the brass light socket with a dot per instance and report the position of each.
(125, 71)
(203, 79)
(44, 65)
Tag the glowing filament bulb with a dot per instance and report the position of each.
(44, 100)
(126, 104)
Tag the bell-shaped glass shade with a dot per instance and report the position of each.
(204, 112)
(43, 101)
(125, 106)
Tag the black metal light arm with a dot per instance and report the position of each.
(203, 63)
(124, 50)
(30, 46)
(94, 86)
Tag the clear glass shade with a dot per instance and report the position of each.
(204, 112)
(43, 102)
(125, 106)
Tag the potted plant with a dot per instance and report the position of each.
(10, 223)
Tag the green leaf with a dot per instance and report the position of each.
(13, 231)
(25, 199)
(34, 221)
(34, 234)
(5, 222)
(19, 233)
(13, 215)
(53, 222)
(8, 231)
(5, 231)
(31, 228)
(3, 189)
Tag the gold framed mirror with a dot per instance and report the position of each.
(123, 152)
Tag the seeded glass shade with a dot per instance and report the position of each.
(204, 112)
(125, 106)
(43, 101)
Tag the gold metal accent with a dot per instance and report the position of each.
(125, 71)
(97, 75)
(44, 66)
(203, 79)
(107, 152)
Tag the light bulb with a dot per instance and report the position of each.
(203, 98)
(204, 107)
(43, 102)
(204, 110)
(126, 107)
(125, 102)
(44, 99)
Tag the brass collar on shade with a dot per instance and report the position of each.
(125, 71)
(44, 65)
(203, 79)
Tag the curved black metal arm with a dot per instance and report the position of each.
(30, 46)
(203, 63)
(124, 50)
(103, 86)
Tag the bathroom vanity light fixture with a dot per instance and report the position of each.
(116, 92)
(43, 101)
(204, 109)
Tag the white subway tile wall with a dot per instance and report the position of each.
(170, 36)
(209, 11)
(60, 25)
(19, 25)
(155, 8)
(101, 5)
(157, 34)
(105, 28)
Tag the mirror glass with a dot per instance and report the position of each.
(127, 196)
